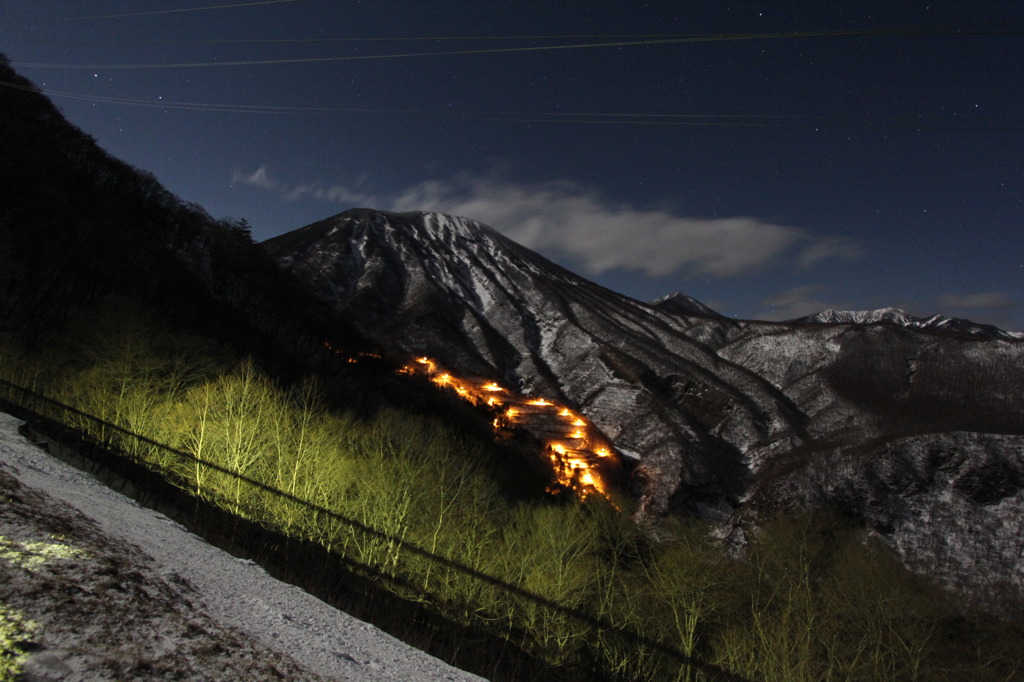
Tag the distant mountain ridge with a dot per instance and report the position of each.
(899, 317)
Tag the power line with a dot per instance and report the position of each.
(684, 39)
(314, 60)
(912, 31)
(177, 11)
(577, 118)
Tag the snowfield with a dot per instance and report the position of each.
(118, 591)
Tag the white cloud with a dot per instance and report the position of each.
(825, 249)
(988, 299)
(569, 220)
(257, 179)
(336, 194)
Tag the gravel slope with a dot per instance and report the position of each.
(122, 592)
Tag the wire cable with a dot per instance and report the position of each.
(578, 118)
(911, 31)
(176, 11)
(692, 38)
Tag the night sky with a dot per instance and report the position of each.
(770, 159)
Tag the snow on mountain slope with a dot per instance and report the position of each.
(917, 435)
(901, 318)
(153, 600)
(951, 505)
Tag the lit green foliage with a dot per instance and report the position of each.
(16, 635)
(697, 585)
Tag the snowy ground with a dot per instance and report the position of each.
(121, 592)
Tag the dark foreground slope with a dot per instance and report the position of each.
(151, 600)
(916, 432)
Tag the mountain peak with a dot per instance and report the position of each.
(420, 224)
(680, 304)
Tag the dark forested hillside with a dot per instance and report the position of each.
(78, 226)
(89, 244)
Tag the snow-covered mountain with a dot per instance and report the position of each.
(430, 284)
(901, 318)
(722, 417)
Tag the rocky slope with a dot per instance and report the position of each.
(717, 414)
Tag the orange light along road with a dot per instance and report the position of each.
(573, 456)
